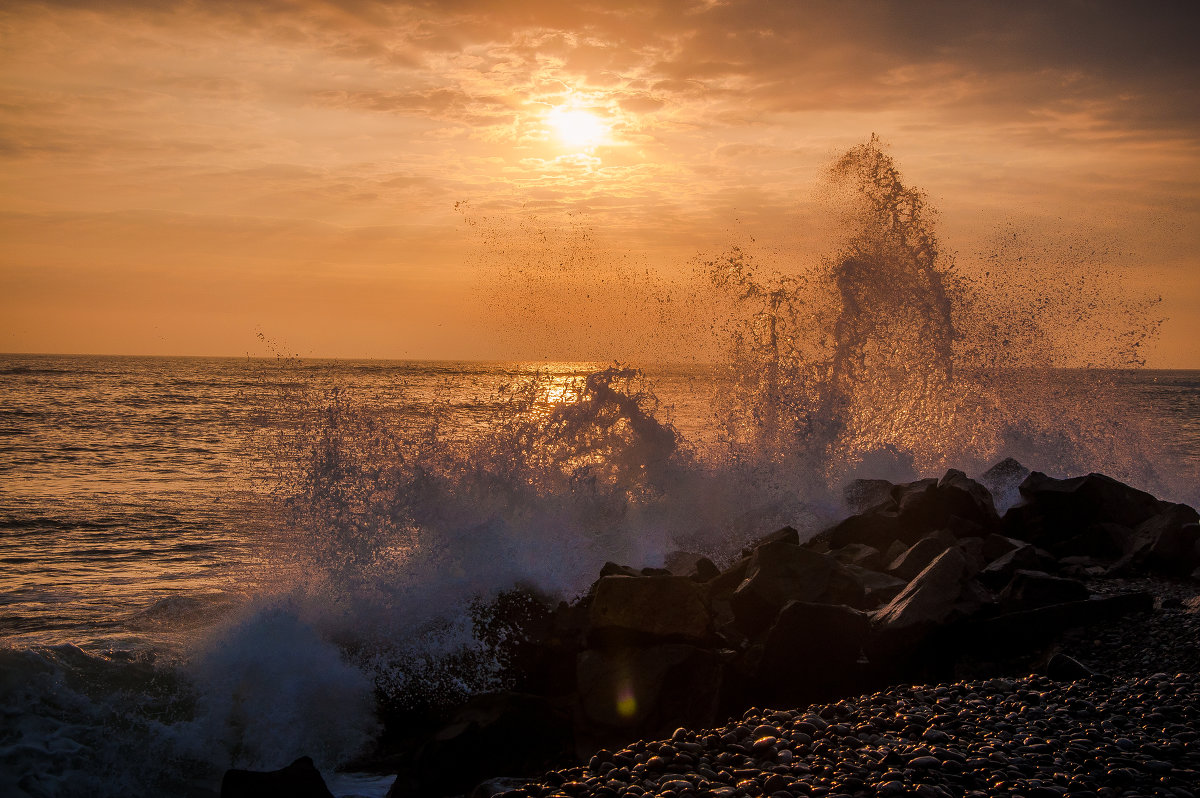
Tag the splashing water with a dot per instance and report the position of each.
(884, 360)
(888, 361)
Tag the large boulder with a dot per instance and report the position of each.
(301, 779)
(511, 733)
(954, 502)
(1028, 590)
(811, 652)
(1021, 631)
(859, 554)
(999, 572)
(943, 592)
(631, 692)
(863, 494)
(1171, 541)
(779, 572)
(917, 556)
(1061, 515)
(1003, 481)
(696, 567)
(878, 588)
(915, 509)
(662, 607)
(879, 527)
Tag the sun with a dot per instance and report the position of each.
(577, 128)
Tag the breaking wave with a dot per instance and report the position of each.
(885, 359)
(400, 521)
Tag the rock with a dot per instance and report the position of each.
(1031, 589)
(878, 588)
(916, 509)
(995, 546)
(301, 779)
(784, 535)
(696, 567)
(1021, 630)
(666, 607)
(918, 556)
(859, 554)
(1000, 571)
(877, 528)
(1172, 541)
(490, 734)
(647, 691)
(780, 572)
(894, 550)
(613, 569)
(518, 627)
(810, 652)
(934, 597)
(972, 547)
(1003, 480)
(1058, 514)
(927, 505)
(862, 494)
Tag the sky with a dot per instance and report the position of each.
(521, 179)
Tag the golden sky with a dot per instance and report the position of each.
(179, 176)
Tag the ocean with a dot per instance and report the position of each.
(221, 562)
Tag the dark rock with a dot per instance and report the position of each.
(859, 554)
(1058, 514)
(784, 535)
(301, 779)
(780, 572)
(518, 626)
(927, 505)
(1173, 541)
(490, 734)
(878, 588)
(995, 546)
(1003, 480)
(862, 494)
(696, 567)
(612, 569)
(913, 510)
(667, 607)
(877, 528)
(1022, 630)
(972, 547)
(645, 691)
(1000, 571)
(937, 595)
(1031, 589)
(918, 556)
(723, 585)
(894, 550)
(810, 652)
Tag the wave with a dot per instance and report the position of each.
(392, 535)
(884, 360)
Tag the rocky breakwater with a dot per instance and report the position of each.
(926, 583)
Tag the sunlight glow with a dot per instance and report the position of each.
(577, 128)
